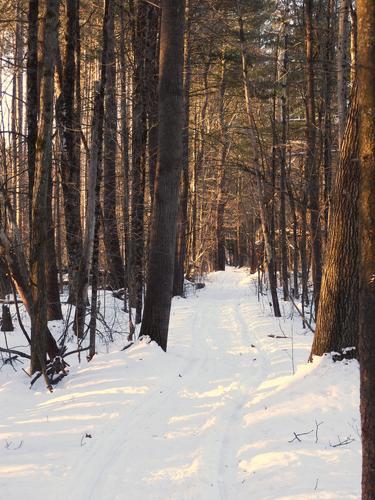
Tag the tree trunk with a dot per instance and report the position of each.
(312, 166)
(366, 83)
(342, 66)
(32, 94)
(337, 320)
(139, 140)
(221, 198)
(111, 239)
(164, 218)
(151, 91)
(95, 162)
(125, 161)
(283, 159)
(70, 168)
(182, 227)
(14, 260)
(43, 166)
(328, 57)
(54, 311)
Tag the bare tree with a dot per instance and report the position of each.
(164, 218)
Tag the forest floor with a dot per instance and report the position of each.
(231, 411)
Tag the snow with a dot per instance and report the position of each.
(212, 419)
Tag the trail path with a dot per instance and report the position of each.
(192, 424)
(178, 441)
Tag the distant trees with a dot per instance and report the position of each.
(250, 153)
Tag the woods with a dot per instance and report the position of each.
(146, 144)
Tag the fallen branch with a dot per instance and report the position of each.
(17, 353)
(127, 346)
(302, 315)
(348, 440)
(76, 351)
(297, 436)
(19, 314)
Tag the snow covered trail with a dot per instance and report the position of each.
(175, 443)
(212, 419)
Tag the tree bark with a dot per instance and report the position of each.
(32, 94)
(366, 85)
(164, 219)
(54, 311)
(125, 162)
(70, 168)
(139, 143)
(342, 66)
(283, 159)
(183, 221)
(336, 327)
(111, 239)
(221, 199)
(43, 166)
(312, 166)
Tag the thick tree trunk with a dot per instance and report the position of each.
(69, 136)
(337, 320)
(43, 166)
(151, 91)
(139, 140)
(342, 66)
(164, 219)
(366, 82)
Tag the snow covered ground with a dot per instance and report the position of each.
(231, 412)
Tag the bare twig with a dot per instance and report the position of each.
(317, 425)
(76, 351)
(18, 314)
(297, 436)
(340, 442)
(302, 315)
(17, 353)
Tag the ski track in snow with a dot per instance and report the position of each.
(192, 424)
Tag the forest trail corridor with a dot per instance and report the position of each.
(211, 419)
(179, 439)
